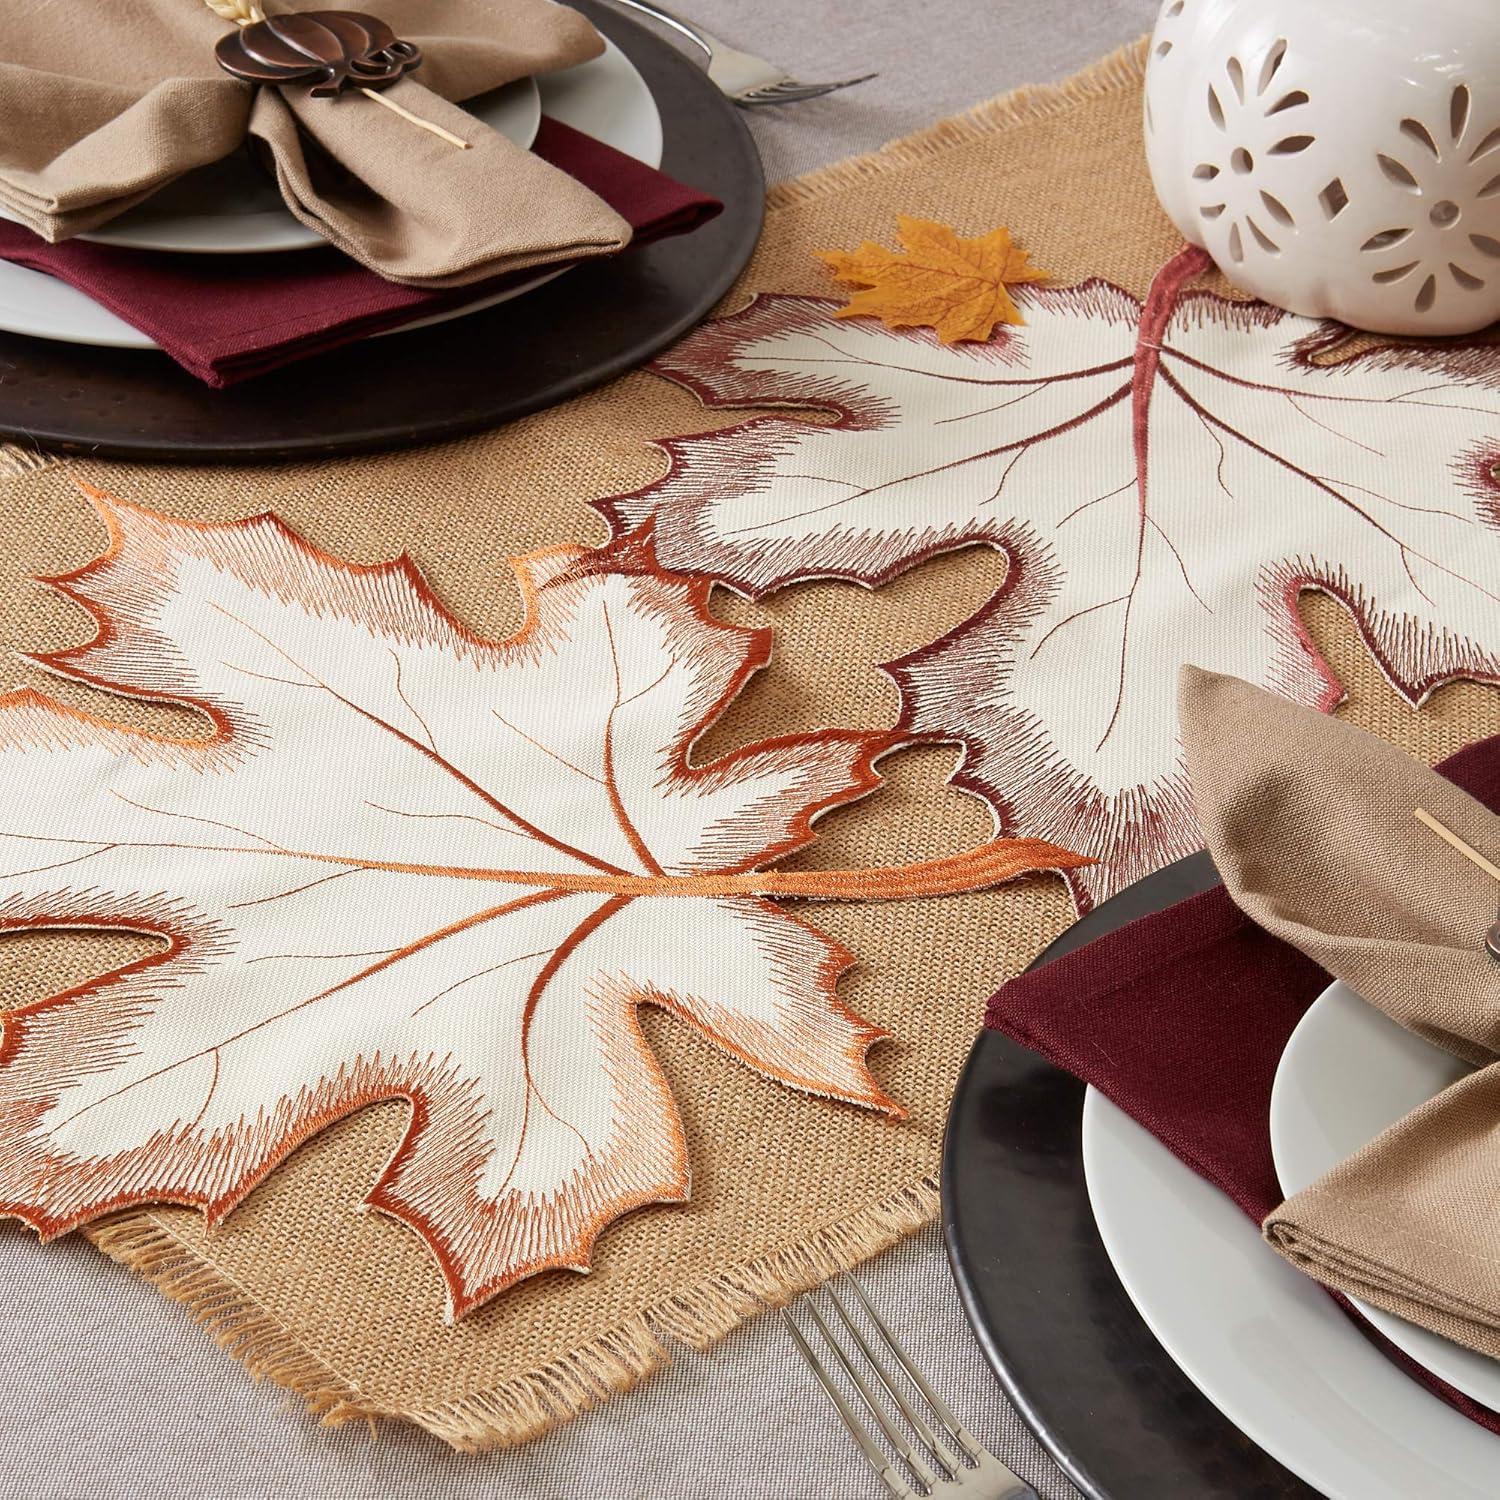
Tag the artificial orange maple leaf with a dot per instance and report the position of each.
(408, 862)
(938, 280)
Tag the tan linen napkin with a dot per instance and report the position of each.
(102, 105)
(1310, 823)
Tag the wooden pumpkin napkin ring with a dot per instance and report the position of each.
(333, 50)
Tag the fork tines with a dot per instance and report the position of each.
(793, 90)
(950, 1462)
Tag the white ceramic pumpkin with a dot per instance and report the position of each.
(1340, 158)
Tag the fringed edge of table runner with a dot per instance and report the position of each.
(237, 1322)
(534, 1403)
(1022, 106)
(529, 1405)
(16, 461)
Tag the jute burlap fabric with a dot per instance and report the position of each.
(347, 1309)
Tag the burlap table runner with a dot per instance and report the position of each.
(345, 1308)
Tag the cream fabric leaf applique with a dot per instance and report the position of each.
(409, 862)
(1165, 479)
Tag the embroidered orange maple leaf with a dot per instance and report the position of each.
(408, 862)
(937, 280)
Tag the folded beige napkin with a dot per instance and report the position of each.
(1310, 822)
(102, 104)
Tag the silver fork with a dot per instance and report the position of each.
(970, 1473)
(745, 78)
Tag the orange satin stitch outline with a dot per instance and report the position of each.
(633, 555)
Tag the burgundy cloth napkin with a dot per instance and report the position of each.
(1180, 1019)
(225, 318)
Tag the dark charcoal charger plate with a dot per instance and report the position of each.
(1036, 1283)
(578, 331)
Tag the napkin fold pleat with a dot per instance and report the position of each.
(446, 217)
(101, 106)
(1409, 1223)
(1311, 823)
(227, 318)
(119, 145)
(1180, 1019)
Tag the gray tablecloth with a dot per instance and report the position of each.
(108, 1392)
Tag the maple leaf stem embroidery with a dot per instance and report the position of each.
(412, 863)
(1161, 302)
(975, 869)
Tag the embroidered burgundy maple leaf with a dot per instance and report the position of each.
(407, 862)
(1165, 479)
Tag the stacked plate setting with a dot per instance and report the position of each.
(1263, 1342)
(232, 208)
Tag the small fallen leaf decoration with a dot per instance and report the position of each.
(937, 280)
(408, 862)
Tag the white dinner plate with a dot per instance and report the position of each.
(231, 207)
(1265, 1343)
(605, 98)
(1349, 1071)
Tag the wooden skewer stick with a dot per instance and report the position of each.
(406, 114)
(1449, 837)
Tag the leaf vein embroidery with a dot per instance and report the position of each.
(958, 463)
(564, 950)
(537, 1111)
(611, 781)
(396, 956)
(447, 766)
(1395, 510)
(1405, 550)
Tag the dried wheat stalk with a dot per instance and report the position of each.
(1449, 837)
(241, 12)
